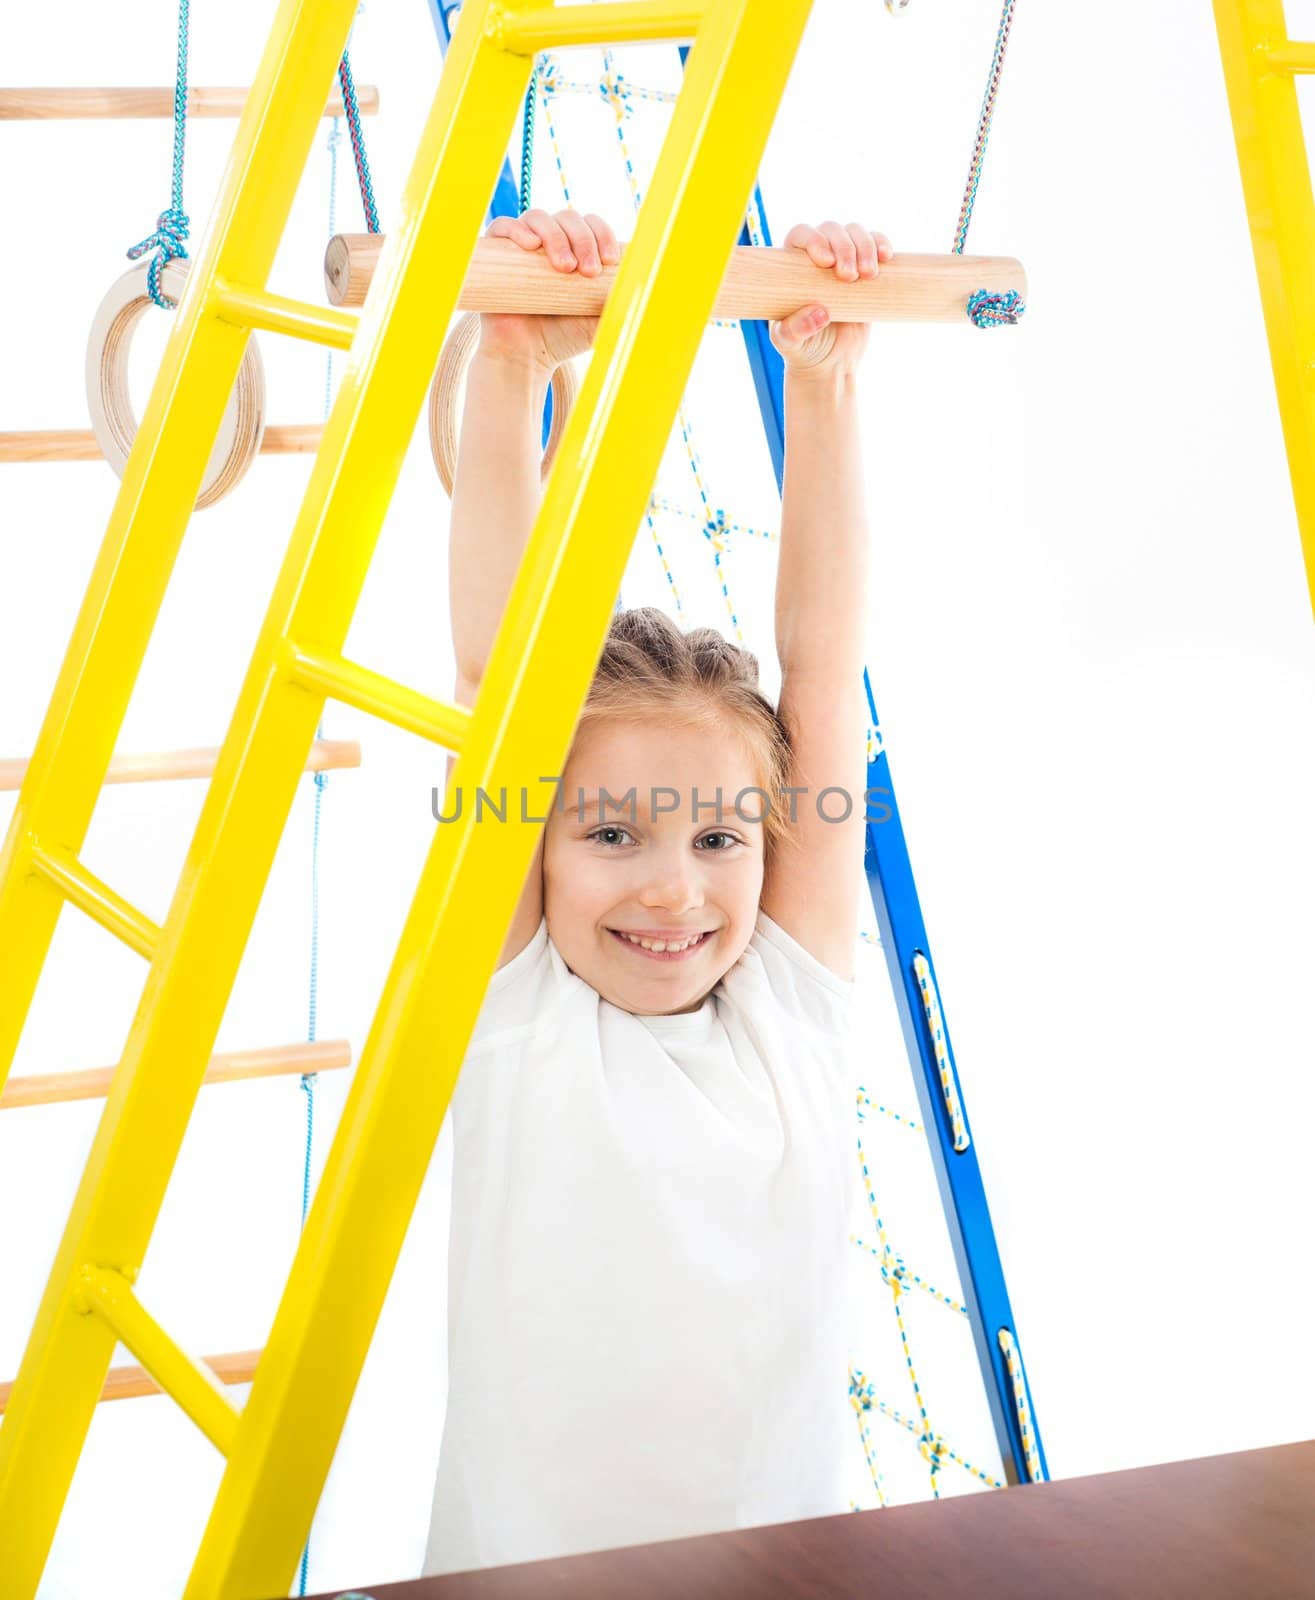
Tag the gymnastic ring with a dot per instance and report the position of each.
(458, 352)
(110, 404)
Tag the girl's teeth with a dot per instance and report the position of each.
(660, 945)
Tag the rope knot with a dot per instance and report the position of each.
(716, 532)
(894, 1272)
(995, 310)
(167, 242)
(862, 1394)
(549, 75)
(616, 92)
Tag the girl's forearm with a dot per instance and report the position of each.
(495, 498)
(822, 576)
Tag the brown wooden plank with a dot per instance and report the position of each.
(1234, 1527)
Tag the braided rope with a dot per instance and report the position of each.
(931, 1009)
(527, 140)
(863, 1398)
(994, 310)
(551, 84)
(865, 1105)
(353, 113)
(988, 310)
(171, 226)
(1017, 1382)
(934, 1443)
(984, 127)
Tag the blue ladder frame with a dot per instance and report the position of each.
(903, 937)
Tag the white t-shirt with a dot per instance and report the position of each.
(648, 1258)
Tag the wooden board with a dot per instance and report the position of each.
(1235, 1527)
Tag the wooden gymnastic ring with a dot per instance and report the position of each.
(458, 352)
(110, 404)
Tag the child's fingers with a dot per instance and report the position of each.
(801, 324)
(884, 247)
(846, 251)
(582, 242)
(553, 238)
(515, 229)
(865, 250)
(608, 248)
(802, 237)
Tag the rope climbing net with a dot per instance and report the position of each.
(686, 509)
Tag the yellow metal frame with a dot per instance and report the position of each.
(281, 1446)
(1260, 68)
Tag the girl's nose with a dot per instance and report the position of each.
(674, 886)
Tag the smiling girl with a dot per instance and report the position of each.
(653, 1123)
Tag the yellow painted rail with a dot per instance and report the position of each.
(279, 1448)
(1261, 65)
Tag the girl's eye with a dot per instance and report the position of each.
(617, 835)
(728, 839)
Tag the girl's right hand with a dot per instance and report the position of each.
(572, 243)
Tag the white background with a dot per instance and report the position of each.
(1093, 656)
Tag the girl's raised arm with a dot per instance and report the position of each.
(814, 884)
(496, 489)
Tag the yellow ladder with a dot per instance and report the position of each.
(280, 1446)
(1261, 65)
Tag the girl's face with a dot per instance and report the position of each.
(648, 866)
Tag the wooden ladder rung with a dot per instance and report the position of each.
(79, 444)
(131, 1382)
(54, 105)
(163, 766)
(232, 1066)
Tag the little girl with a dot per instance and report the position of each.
(653, 1123)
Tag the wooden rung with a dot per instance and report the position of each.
(49, 105)
(233, 1066)
(760, 283)
(130, 1383)
(326, 755)
(79, 444)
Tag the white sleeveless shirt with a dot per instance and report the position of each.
(648, 1260)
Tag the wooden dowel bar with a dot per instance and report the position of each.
(79, 444)
(233, 1066)
(759, 283)
(326, 755)
(130, 1383)
(52, 105)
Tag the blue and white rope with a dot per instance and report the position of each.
(172, 224)
(984, 309)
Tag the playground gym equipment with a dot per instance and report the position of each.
(204, 422)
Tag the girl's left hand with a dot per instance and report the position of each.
(810, 344)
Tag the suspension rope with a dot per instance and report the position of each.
(988, 310)
(527, 139)
(353, 113)
(171, 224)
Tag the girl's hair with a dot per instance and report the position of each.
(649, 668)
